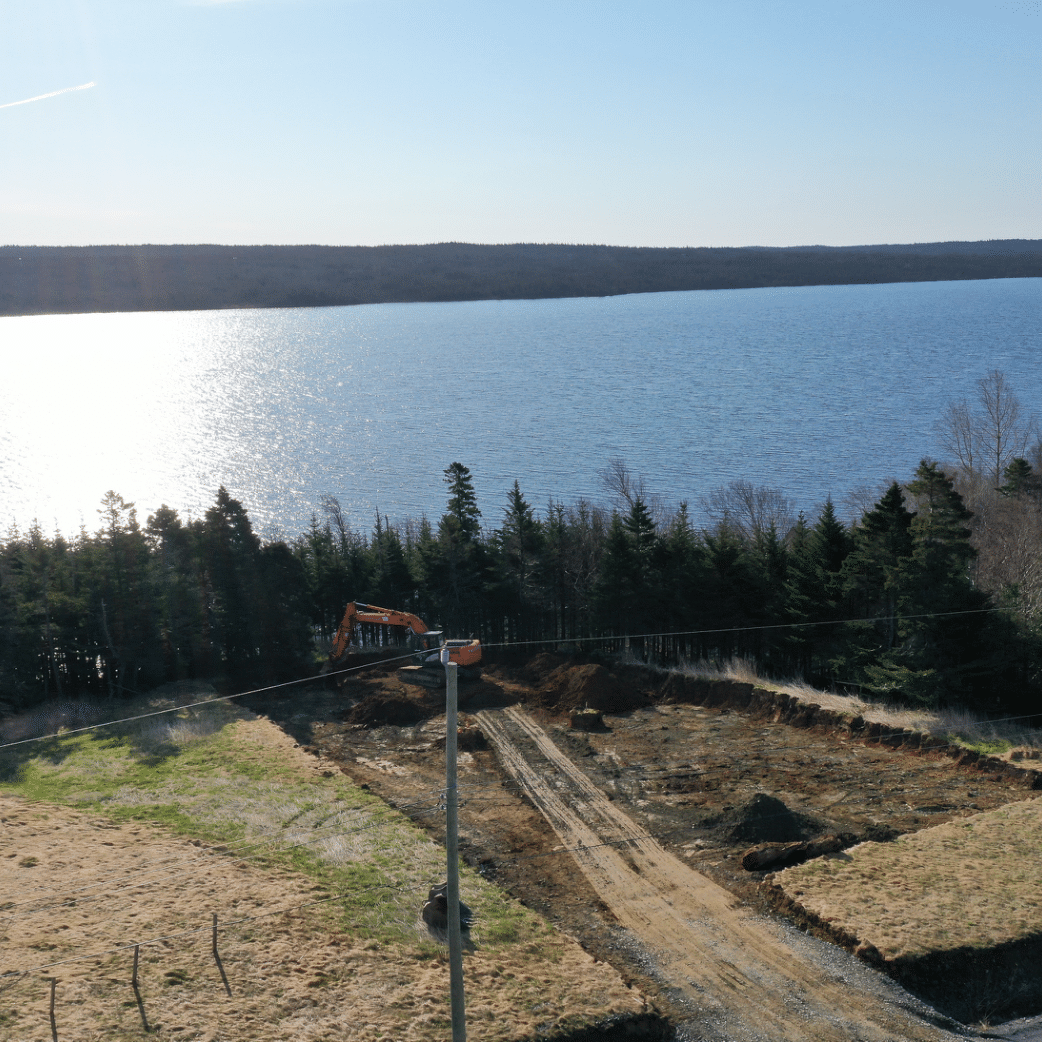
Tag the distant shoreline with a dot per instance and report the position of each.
(37, 280)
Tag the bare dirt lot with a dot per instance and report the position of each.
(677, 793)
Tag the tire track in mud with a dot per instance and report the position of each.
(734, 969)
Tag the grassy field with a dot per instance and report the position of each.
(301, 859)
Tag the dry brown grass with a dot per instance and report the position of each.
(1004, 738)
(971, 883)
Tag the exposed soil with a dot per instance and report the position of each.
(703, 783)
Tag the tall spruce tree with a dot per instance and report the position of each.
(815, 586)
(873, 575)
(520, 543)
(682, 579)
(944, 650)
(231, 556)
(462, 518)
(730, 594)
(392, 583)
(177, 594)
(462, 567)
(618, 589)
(132, 656)
(770, 565)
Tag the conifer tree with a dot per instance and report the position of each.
(872, 571)
(770, 565)
(392, 583)
(128, 629)
(520, 543)
(1021, 482)
(462, 569)
(176, 592)
(230, 555)
(618, 590)
(729, 594)
(815, 586)
(872, 576)
(462, 518)
(682, 583)
(944, 634)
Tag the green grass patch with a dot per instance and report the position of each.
(201, 773)
(984, 746)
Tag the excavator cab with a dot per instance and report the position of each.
(429, 651)
(429, 670)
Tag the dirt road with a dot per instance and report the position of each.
(694, 933)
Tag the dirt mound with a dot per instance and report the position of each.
(539, 668)
(377, 710)
(766, 819)
(588, 686)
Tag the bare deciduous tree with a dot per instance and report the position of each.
(984, 437)
(860, 500)
(621, 482)
(750, 510)
(335, 515)
(626, 488)
(1004, 431)
(957, 431)
(1008, 563)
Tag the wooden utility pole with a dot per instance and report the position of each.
(459, 1022)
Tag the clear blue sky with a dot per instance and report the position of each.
(657, 123)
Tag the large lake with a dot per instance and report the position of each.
(815, 391)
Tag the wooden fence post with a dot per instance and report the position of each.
(217, 957)
(54, 1023)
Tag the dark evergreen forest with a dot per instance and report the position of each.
(920, 599)
(73, 279)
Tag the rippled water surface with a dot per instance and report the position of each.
(812, 390)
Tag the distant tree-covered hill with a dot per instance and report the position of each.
(46, 279)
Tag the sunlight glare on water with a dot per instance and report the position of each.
(812, 390)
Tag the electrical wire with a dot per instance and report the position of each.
(194, 705)
(503, 644)
(737, 629)
(580, 848)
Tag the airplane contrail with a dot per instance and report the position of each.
(53, 94)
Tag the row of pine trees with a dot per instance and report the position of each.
(890, 605)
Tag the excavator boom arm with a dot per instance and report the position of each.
(357, 614)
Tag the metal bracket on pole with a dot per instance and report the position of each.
(459, 1023)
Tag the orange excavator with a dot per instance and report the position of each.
(354, 637)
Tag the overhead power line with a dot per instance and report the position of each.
(502, 644)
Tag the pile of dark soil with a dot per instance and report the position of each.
(588, 686)
(766, 819)
(537, 669)
(378, 710)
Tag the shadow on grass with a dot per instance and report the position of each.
(52, 733)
